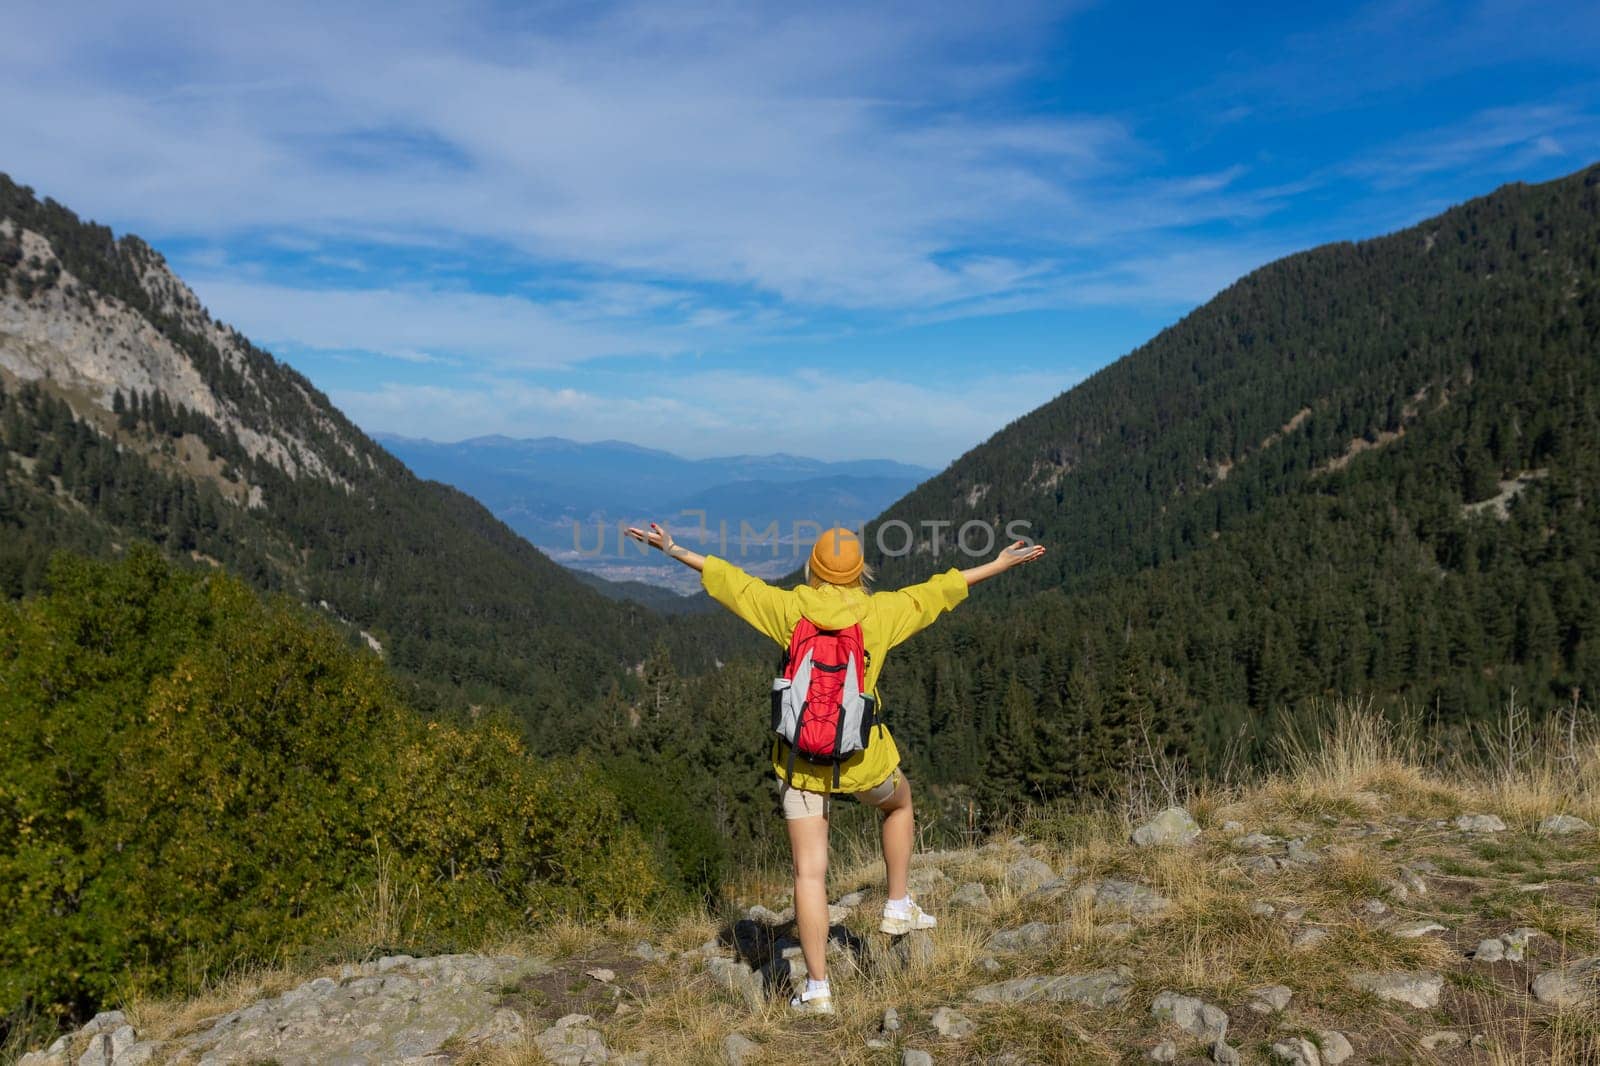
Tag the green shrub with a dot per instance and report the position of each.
(193, 777)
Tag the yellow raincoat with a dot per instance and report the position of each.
(887, 619)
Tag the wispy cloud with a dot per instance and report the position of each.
(762, 149)
(514, 191)
(1495, 141)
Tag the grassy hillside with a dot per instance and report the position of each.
(1357, 899)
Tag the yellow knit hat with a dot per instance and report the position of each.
(836, 556)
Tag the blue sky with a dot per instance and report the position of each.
(838, 230)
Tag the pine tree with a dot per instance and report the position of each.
(1013, 751)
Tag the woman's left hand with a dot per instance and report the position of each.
(658, 537)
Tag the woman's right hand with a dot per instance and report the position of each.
(1019, 552)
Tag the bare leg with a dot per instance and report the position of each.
(808, 838)
(899, 831)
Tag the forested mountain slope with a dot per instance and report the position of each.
(1369, 467)
(127, 412)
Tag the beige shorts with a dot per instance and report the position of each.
(798, 803)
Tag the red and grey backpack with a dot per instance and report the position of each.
(818, 707)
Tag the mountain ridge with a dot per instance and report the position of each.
(153, 420)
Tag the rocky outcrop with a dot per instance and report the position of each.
(398, 1009)
(92, 344)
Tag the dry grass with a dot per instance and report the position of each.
(1363, 769)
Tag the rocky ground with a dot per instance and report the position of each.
(1377, 918)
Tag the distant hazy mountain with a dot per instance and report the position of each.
(542, 486)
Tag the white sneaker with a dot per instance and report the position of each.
(812, 1002)
(898, 923)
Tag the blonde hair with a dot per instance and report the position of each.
(863, 580)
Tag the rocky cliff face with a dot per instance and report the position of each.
(89, 344)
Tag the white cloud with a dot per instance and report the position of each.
(829, 158)
(1498, 140)
(421, 324)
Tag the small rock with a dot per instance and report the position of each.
(1255, 842)
(924, 878)
(952, 1023)
(1173, 827)
(1335, 1047)
(758, 913)
(1028, 873)
(1270, 999)
(1031, 935)
(1480, 823)
(739, 979)
(108, 1020)
(1491, 950)
(1191, 1015)
(915, 1057)
(394, 962)
(912, 949)
(1262, 864)
(1123, 895)
(1297, 1051)
(1294, 914)
(1412, 930)
(1443, 1040)
(648, 952)
(1166, 1051)
(737, 1049)
(1562, 824)
(971, 894)
(1098, 988)
(1300, 853)
(1231, 826)
(1419, 989)
(1309, 937)
(852, 899)
(1262, 909)
(1569, 986)
(1409, 882)
(1224, 1055)
(601, 974)
(108, 1048)
(891, 1021)
(570, 1042)
(1375, 907)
